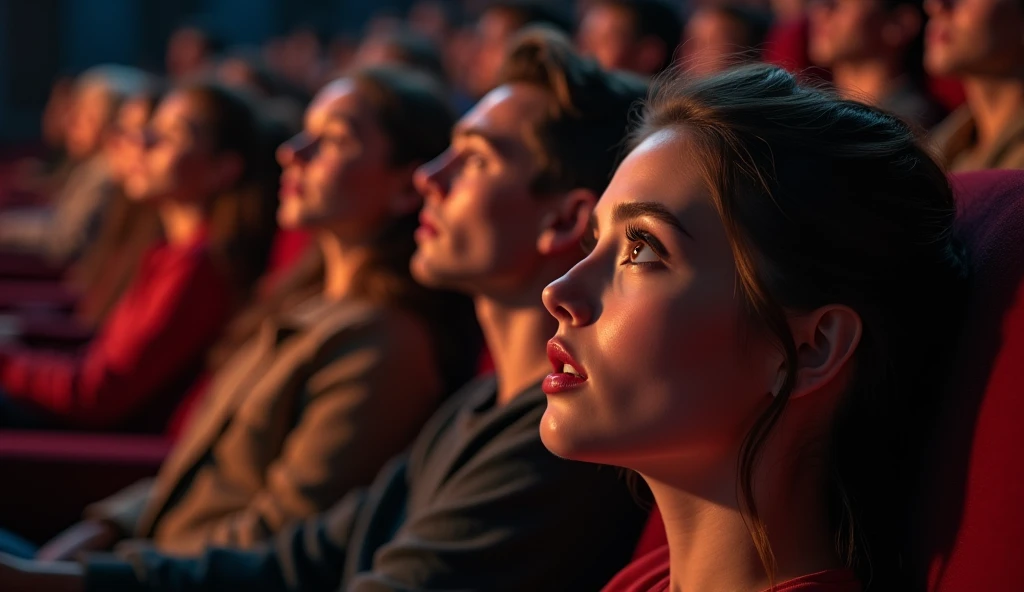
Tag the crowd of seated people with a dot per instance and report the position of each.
(456, 304)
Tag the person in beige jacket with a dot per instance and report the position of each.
(343, 377)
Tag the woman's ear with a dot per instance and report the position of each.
(563, 225)
(826, 340)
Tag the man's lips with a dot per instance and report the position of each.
(568, 373)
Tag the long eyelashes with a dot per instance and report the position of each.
(635, 234)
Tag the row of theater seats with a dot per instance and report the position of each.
(965, 533)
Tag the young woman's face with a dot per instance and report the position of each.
(337, 173)
(651, 323)
(178, 162)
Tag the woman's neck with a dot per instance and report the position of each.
(710, 545)
(342, 262)
(182, 222)
(869, 81)
(995, 104)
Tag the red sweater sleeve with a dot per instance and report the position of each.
(163, 324)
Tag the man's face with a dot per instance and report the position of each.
(481, 219)
(974, 38)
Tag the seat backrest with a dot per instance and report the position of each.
(968, 533)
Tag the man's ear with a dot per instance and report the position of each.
(826, 340)
(564, 224)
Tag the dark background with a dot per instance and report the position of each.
(40, 39)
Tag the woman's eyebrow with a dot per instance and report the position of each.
(638, 209)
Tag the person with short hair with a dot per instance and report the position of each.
(981, 43)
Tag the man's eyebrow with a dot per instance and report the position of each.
(640, 209)
(496, 143)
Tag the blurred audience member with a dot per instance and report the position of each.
(191, 51)
(496, 26)
(207, 170)
(434, 19)
(308, 405)
(980, 42)
(128, 228)
(875, 50)
(299, 57)
(719, 37)
(639, 36)
(402, 46)
(62, 231)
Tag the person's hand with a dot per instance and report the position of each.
(20, 575)
(89, 535)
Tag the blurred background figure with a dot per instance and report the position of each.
(192, 50)
(722, 36)
(981, 43)
(401, 46)
(495, 27)
(60, 231)
(874, 49)
(300, 56)
(639, 36)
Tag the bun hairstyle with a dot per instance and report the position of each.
(832, 201)
(580, 140)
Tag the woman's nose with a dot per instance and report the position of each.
(569, 300)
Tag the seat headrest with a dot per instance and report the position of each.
(969, 531)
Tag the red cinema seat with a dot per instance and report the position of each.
(58, 473)
(969, 530)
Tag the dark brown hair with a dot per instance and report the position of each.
(243, 219)
(832, 201)
(580, 139)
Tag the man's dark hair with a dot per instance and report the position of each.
(579, 141)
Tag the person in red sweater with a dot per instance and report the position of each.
(755, 331)
(206, 167)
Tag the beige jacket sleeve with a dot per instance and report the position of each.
(372, 388)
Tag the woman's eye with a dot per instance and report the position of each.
(642, 253)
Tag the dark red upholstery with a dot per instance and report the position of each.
(969, 534)
(65, 471)
(48, 477)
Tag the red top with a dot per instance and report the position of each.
(157, 333)
(650, 574)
